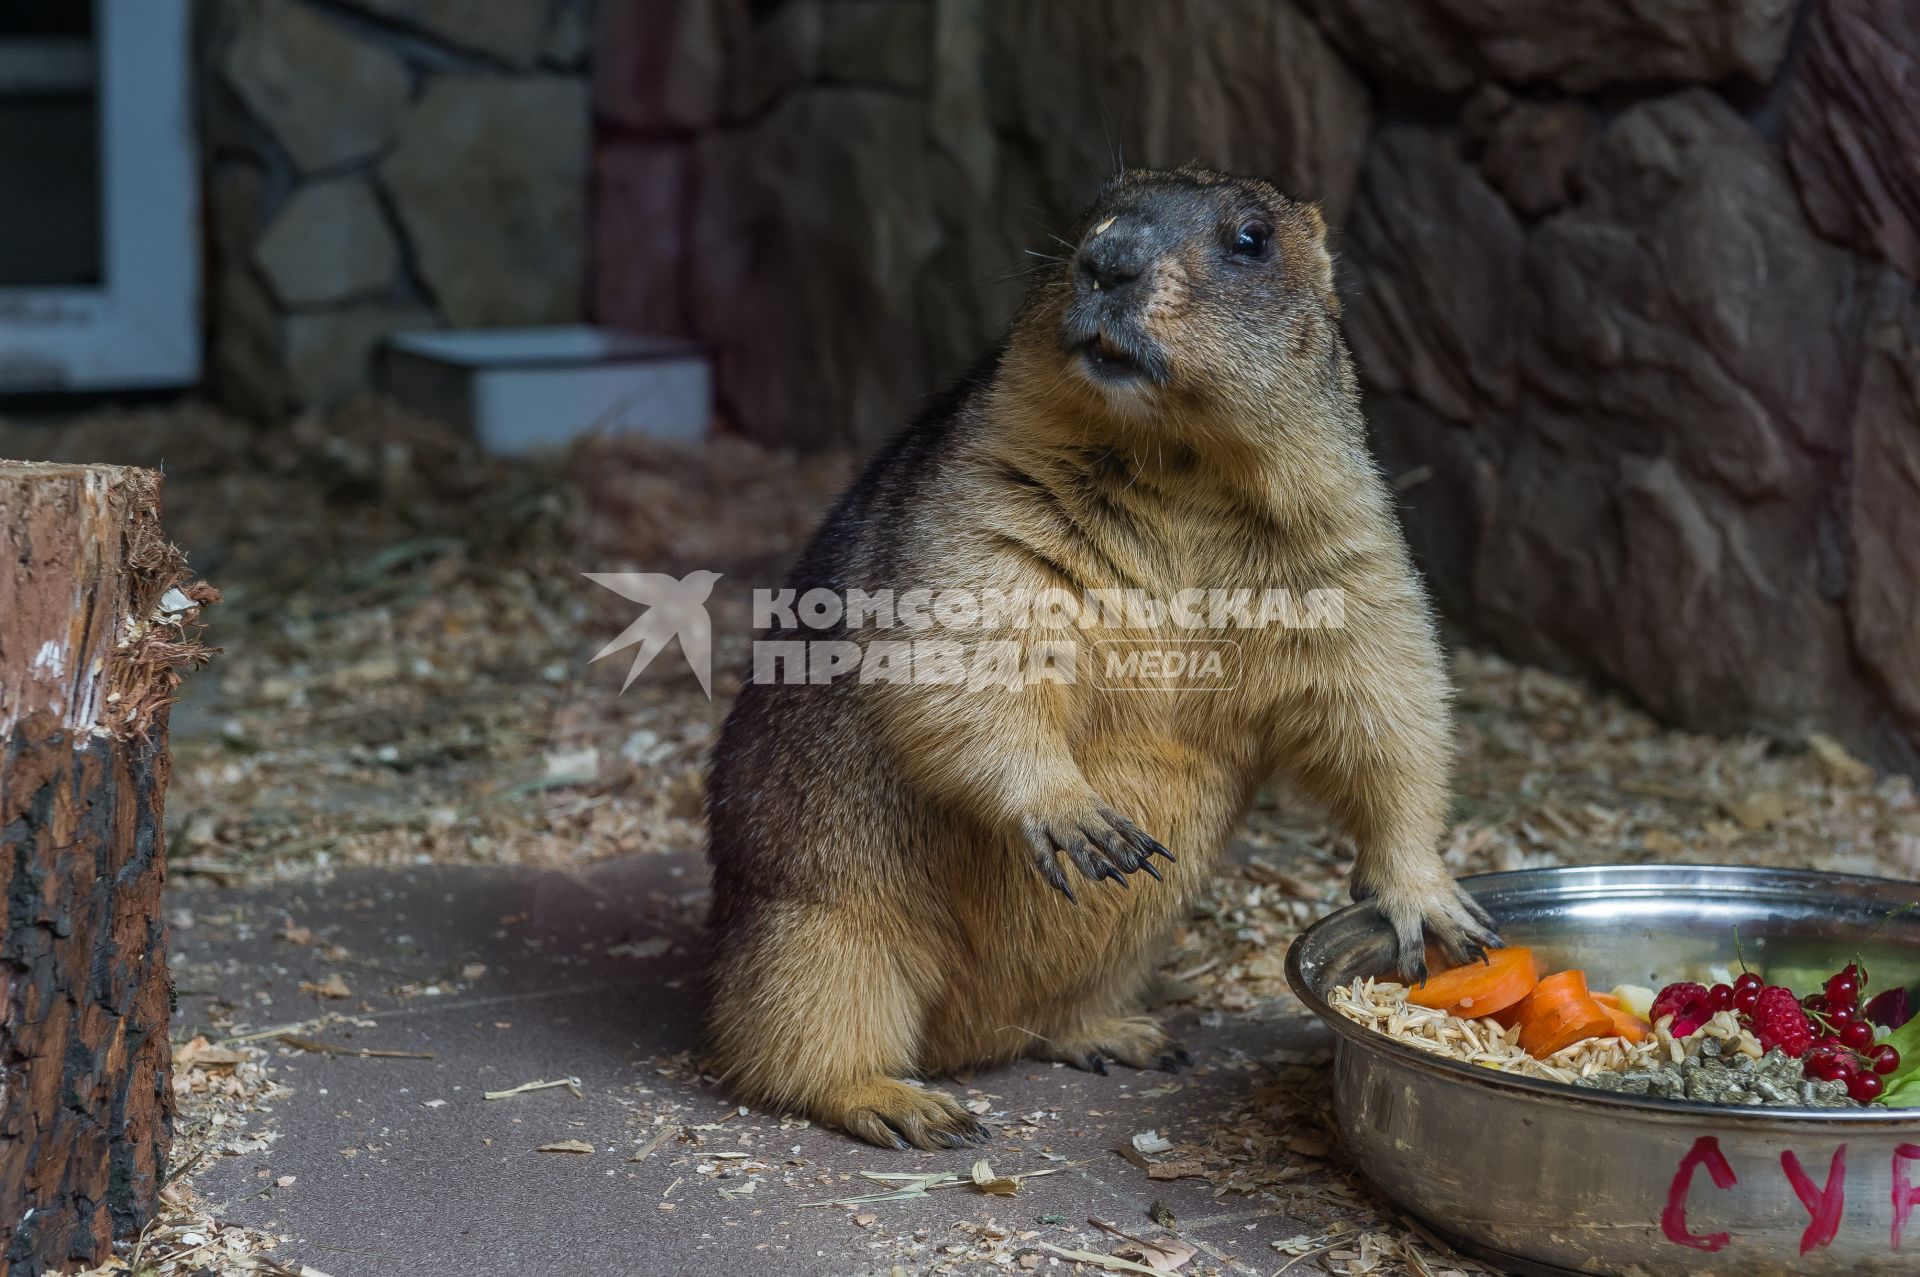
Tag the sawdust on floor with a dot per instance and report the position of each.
(406, 679)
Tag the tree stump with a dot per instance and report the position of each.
(93, 640)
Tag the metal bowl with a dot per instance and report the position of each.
(1544, 1178)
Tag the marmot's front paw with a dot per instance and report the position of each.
(1442, 912)
(1099, 841)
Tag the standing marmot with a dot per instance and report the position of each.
(1174, 409)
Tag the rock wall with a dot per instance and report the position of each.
(839, 196)
(1632, 287)
(381, 165)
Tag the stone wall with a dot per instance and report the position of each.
(1632, 287)
(381, 165)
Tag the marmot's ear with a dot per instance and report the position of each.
(1321, 260)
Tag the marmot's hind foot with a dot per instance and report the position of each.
(894, 1115)
(1136, 1041)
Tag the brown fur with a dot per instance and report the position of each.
(882, 854)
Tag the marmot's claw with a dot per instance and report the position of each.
(957, 1139)
(912, 1118)
(1110, 840)
(1150, 845)
(1480, 915)
(876, 1130)
(1050, 870)
(1445, 915)
(1137, 1041)
(1103, 846)
(1138, 840)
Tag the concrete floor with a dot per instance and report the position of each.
(399, 1164)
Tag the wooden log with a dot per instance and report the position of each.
(93, 641)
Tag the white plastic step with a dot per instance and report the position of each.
(525, 390)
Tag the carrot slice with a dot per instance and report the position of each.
(1607, 1000)
(1560, 1012)
(1516, 1013)
(1480, 988)
(1625, 1024)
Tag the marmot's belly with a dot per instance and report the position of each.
(1021, 959)
(1034, 963)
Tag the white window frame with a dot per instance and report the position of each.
(141, 326)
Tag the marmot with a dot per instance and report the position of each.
(1173, 407)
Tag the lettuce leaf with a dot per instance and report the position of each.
(1903, 1084)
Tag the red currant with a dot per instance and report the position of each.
(1865, 1087)
(1842, 990)
(1843, 1012)
(1815, 1002)
(1884, 1058)
(1745, 999)
(1720, 998)
(1857, 1035)
(1748, 980)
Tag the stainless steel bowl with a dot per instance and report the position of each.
(1543, 1178)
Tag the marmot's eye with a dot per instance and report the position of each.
(1251, 239)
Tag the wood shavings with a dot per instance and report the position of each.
(1111, 1263)
(198, 1053)
(416, 649)
(571, 1083)
(912, 1186)
(331, 987)
(1160, 1255)
(1837, 764)
(652, 1146)
(987, 1182)
(1184, 1168)
(299, 1043)
(220, 1091)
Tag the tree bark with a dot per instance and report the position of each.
(93, 640)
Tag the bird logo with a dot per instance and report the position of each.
(675, 609)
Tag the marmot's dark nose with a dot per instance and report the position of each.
(1115, 252)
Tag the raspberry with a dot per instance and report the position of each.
(1675, 997)
(1689, 1005)
(1778, 1021)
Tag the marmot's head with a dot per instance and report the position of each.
(1187, 292)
